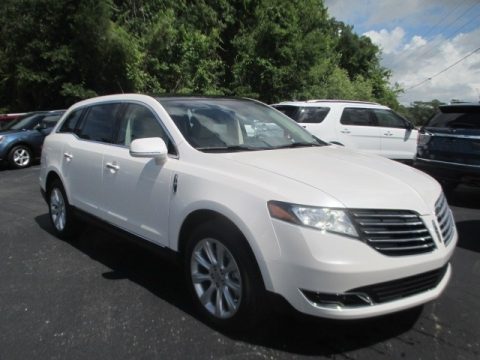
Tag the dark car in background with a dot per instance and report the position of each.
(6, 118)
(449, 145)
(22, 139)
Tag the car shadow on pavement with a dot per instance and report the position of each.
(286, 331)
(465, 197)
(468, 235)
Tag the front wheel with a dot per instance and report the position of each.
(61, 215)
(223, 278)
(20, 157)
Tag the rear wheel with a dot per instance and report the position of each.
(20, 157)
(223, 278)
(61, 215)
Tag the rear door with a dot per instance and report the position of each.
(82, 164)
(453, 135)
(357, 129)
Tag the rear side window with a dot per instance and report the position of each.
(50, 120)
(99, 123)
(71, 121)
(357, 117)
(459, 120)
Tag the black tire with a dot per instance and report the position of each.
(20, 157)
(251, 304)
(67, 228)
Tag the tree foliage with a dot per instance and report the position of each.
(419, 112)
(57, 52)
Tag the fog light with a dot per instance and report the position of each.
(337, 301)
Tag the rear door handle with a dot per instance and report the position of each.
(68, 156)
(345, 131)
(388, 133)
(113, 167)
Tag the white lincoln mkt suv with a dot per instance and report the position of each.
(338, 234)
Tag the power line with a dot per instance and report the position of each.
(444, 70)
(432, 46)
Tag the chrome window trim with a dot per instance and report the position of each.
(127, 102)
(447, 162)
(474, 137)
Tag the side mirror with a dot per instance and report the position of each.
(409, 125)
(149, 148)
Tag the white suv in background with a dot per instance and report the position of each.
(338, 234)
(365, 126)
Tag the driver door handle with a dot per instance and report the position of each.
(113, 167)
(345, 131)
(68, 156)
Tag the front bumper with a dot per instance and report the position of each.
(316, 262)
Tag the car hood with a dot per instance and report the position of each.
(10, 132)
(355, 179)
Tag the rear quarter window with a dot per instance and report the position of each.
(312, 115)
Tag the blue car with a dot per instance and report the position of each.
(22, 139)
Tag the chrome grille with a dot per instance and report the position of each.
(393, 232)
(445, 219)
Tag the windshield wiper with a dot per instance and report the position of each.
(297, 144)
(228, 148)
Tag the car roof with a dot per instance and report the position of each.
(331, 102)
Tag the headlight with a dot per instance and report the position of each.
(324, 219)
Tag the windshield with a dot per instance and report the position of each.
(26, 122)
(211, 124)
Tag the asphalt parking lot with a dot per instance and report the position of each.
(101, 298)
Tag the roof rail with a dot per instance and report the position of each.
(344, 101)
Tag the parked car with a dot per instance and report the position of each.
(338, 234)
(365, 126)
(6, 118)
(21, 140)
(449, 145)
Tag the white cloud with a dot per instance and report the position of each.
(388, 41)
(419, 39)
(414, 61)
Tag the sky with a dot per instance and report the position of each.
(420, 40)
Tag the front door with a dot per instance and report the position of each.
(137, 191)
(399, 140)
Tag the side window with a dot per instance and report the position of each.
(98, 123)
(312, 115)
(387, 118)
(71, 121)
(138, 122)
(50, 121)
(357, 117)
(290, 111)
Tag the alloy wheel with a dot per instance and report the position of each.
(216, 278)
(58, 209)
(21, 157)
